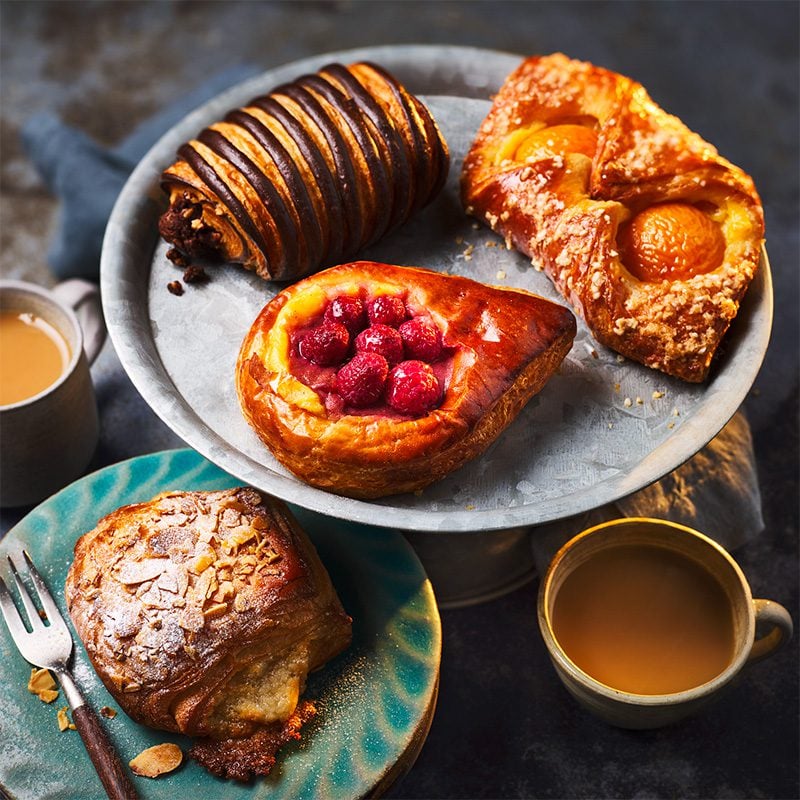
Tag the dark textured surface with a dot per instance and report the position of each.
(504, 727)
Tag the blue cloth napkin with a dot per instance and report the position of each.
(87, 178)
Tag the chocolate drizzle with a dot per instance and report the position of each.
(392, 141)
(378, 180)
(345, 169)
(420, 151)
(313, 172)
(310, 227)
(326, 184)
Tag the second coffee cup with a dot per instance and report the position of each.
(646, 620)
(48, 422)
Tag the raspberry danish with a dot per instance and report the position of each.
(305, 176)
(436, 367)
(649, 233)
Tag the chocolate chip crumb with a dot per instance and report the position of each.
(177, 258)
(194, 274)
(175, 287)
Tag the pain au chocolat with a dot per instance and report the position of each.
(372, 379)
(649, 233)
(306, 175)
(203, 613)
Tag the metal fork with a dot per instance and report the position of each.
(50, 647)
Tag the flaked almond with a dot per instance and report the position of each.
(202, 562)
(190, 619)
(202, 587)
(156, 760)
(140, 571)
(226, 590)
(215, 611)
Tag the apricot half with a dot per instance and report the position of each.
(558, 140)
(670, 241)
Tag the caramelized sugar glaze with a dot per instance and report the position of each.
(307, 175)
(645, 229)
(486, 352)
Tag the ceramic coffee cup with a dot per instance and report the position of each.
(586, 611)
(48, 439)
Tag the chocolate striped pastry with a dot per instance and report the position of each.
(649, 233)
(305, 176)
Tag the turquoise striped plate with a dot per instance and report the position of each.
(377, 699)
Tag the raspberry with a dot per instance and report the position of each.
(412, 388)
(422, 339)
(360, 381)
(326, 344)
(347, 310)
(386, 310)
(383, 340)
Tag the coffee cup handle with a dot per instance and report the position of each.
(777, 618)
(84, 299)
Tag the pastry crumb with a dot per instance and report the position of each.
(108, 712)
(42, 684)
(657, 395)
(175, 287)
(64, 722)
(501, 273)
(627, 402)
(195, 274)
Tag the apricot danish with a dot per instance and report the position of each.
(371, 379)
(649, 233)
(305, 176)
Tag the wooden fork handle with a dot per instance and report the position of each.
(109, 768)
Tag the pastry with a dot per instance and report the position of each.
(372, 379)
(650, 234)
(305, 176)
(202, 613)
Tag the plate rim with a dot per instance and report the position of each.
(685, 442)
(416, 734)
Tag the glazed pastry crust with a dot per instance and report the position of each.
(564, 210)
(507, 343)
(307, 175)
(203, 612)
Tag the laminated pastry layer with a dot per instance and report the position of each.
(496, 348)
(651, 235)
(203, 612)
(305, 176)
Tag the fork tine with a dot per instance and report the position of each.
(46, 599)
(10, 614)
(33, 614)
